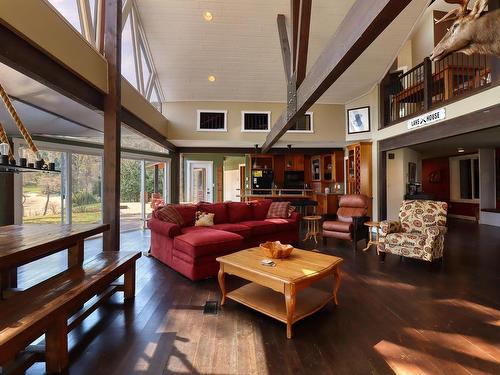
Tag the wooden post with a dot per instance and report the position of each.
(112, 124)
(427, 84)
(382, 185)
(155, 179)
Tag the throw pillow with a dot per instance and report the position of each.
(170, 215)
(204, 219)
(278, 210)
(291, 209)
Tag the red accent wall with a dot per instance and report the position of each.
(436, 178)
(436, 182)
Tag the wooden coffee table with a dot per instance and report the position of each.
(291, 277)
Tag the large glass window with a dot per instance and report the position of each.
(137, 63)
(154, 194)
(130, 194)
(75, 194)
(128, 54)
(69, 10)
(87, 188)
(41, 193)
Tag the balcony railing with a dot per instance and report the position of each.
(430, 85)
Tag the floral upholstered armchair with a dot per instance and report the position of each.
(419, 232)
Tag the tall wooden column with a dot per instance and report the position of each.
(112, 124)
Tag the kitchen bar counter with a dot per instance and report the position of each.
(256, 194)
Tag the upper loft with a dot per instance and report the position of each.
(415, 84)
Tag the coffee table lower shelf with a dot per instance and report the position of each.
(272, 303)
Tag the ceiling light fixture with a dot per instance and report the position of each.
(460, 149)
(211, 78)
(208, 16)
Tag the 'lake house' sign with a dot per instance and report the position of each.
(427, 119)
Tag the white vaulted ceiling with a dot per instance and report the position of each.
(241, 48)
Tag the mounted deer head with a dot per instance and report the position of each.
(472, 31)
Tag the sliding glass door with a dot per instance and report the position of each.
(42, 198)
(75, 194)
(86, 188)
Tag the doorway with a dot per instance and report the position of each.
(200, 181)
(232, 178)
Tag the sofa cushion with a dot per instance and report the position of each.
(242, 230)
(188, 213)
(207, 242)
(219, 209)
(260, 209)
(278, 210)
(337, 226)
(259, 227)
(239, 211)
(185, 230)
(283, 224)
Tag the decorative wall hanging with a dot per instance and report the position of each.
(473, 31)
(358, 120)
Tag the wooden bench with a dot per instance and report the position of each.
(46, 307)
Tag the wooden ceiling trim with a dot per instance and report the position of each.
(364, 22)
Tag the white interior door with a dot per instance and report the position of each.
(231, 185)
(200, 181)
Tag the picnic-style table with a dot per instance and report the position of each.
(22, 244)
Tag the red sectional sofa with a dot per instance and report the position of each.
(192, 250)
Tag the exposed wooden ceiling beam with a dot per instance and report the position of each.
(295, 12)
(139, 125)
(303, 40)
(27, 59)
(364, 22)
(285, 46)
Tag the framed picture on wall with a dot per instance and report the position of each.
(358, 120)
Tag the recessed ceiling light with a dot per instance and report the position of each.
(208, 16)
(460, 149)
(211, 78)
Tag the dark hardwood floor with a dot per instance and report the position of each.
(399, 317)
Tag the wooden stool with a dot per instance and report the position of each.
(371, 239)
(312, 227)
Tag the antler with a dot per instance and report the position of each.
(479, 8)
(457, 12)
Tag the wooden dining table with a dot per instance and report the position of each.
(23, 244)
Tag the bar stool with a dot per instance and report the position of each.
(313, 227)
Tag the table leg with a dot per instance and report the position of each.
(129, 283)
(290, 299)
(221, 276)
(75, 254)
(336, 275)
(56, 346)
(370, 235)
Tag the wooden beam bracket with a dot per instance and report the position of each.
(364, 22)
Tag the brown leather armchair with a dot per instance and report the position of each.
(348, 224)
